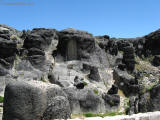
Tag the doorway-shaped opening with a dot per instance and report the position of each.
(72, 50)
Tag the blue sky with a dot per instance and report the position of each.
(117, 18)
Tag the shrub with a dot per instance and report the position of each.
(1, 99)
(85, 83)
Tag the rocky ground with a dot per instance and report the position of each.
(48, 74)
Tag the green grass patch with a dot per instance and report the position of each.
(85, 83)
(1, 99)
(102, 115)
(96, 91)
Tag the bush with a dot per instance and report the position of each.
(1, 99)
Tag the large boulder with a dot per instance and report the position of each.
(94, 74)
(152, 43)
(112, 47)
(38, 61)
(149, 101)
(111, 100)
(7, 50)
(129, 58)
(156, 60)
(144, 102)
(39, 38)
(38, 47)
(133, 103)
(138, 44)
(59, 108)
(127, 83)
(84, 100)
(154, 98)
(32, 100)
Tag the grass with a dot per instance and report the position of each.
(96, 91)
(102, 114)
(43, 79)
(126, 104)
(1, 99)
(85, 83)
(148, 88)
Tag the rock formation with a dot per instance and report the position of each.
(38, 70)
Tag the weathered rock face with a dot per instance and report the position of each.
(59, 108)
(94, 74)
(112, 100)
(144, 102)
(152, 43)
(35, 101)
(7, 51)
(125, 82)
(133, 102)
(155, 96)
(149, 101)
(156, 61)
(128, 58)
(106, 65)
(112, 47)
(84, 100)
(74, 44)
(39, 38)
(38, 45)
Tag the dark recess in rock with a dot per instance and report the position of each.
(113, 90)
(74, 44)
(94, 74)
(78, 82)
(156, 61)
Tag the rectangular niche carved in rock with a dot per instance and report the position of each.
(72, 50)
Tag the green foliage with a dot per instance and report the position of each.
(90, 115)
(96, 91)
(85, 83)
(149, 88)
(126, 104)
(102, 115)
(1, 99)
